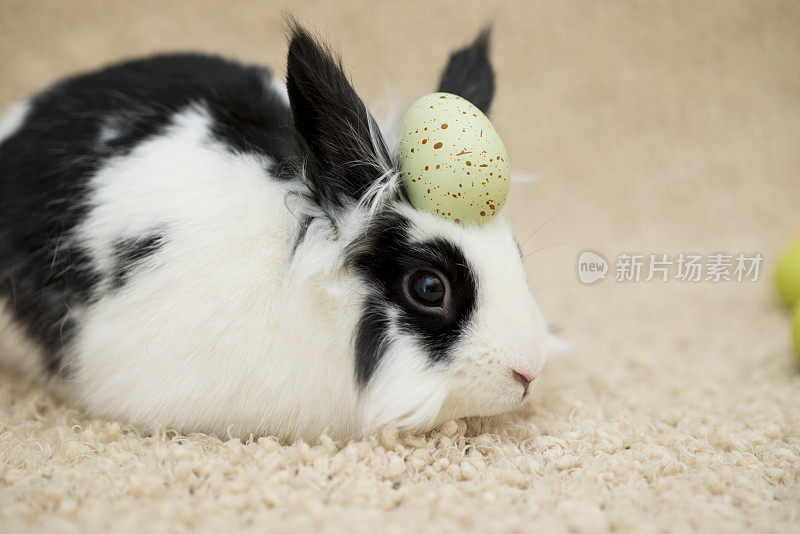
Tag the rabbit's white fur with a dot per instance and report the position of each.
(223, 329)
(13, 118)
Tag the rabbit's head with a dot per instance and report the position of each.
(444, 321)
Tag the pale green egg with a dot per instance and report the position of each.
(787, 275)
(453, 162)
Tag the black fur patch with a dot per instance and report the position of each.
(339, 156)
(384, 256)
(302, 230)
(128, 253)
(71, 130)
(42, 190)
(469, 73)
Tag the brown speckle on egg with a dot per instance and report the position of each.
(424, 141)
(483, 214)
(438, 145)
(444, 126)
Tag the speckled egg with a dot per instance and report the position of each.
(453, 162)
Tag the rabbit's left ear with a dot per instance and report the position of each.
(469, 73)
(341, 146)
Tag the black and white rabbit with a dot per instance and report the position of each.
(192, 242)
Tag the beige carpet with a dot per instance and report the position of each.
(652, 127)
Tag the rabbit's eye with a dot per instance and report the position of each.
(427, 288)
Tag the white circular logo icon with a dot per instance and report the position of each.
(591, 267)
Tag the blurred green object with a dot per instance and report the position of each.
(796, 331)
(787, 275)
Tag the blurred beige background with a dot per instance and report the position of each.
(651, 127)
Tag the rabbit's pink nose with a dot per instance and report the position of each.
(523, 378)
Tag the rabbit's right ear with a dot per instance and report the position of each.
(340, 144)
(469, 73)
